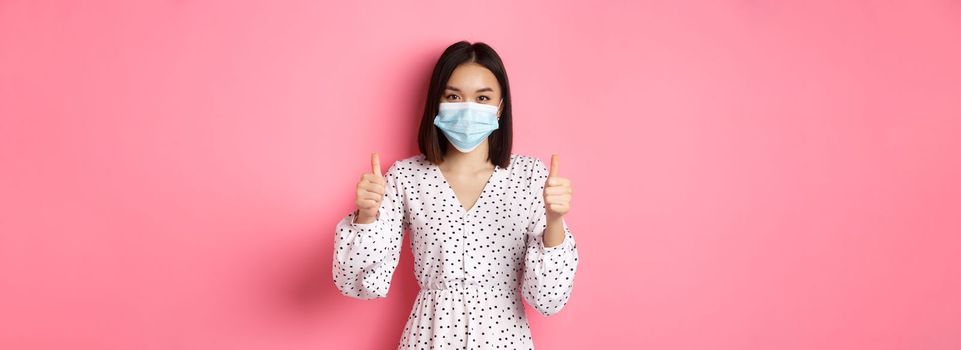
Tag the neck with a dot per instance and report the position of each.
(471, 161)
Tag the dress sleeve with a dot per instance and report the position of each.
(366, 255)
(548, 272)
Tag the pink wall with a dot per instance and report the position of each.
(749, 174)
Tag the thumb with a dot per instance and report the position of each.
(375, 164)
(554, 163)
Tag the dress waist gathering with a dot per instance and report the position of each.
(463, 285)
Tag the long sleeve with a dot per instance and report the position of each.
(366, 255)
(548, 272)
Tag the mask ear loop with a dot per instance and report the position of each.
(499, 104)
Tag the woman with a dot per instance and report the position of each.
(483, 221)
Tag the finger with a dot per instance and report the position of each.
(370, 195)
(554, 162)
(559, 208)
(557, 190)
(375, 164)
(371, 187)
(366, 194)
(557, 199)
(373, 179)
(558, 181)
(378, 189)
(366, 204)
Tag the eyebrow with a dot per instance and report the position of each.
(478, 91)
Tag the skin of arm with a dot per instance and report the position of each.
(365, 219)
(554, 233)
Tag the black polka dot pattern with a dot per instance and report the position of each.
(474, 266)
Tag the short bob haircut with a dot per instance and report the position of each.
(429, 137)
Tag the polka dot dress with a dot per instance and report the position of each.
(473, 266)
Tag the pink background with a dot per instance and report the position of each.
(749, 174)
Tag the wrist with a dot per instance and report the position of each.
(553, 219)
(363, 218)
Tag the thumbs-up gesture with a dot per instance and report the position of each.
(370, 192)
(557, 193)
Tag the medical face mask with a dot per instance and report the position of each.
(466, 124)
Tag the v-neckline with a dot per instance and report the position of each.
(453, 194)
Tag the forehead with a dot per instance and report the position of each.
(472, 76)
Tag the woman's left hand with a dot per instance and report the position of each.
(557, 193)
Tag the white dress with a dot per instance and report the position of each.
(472, 266)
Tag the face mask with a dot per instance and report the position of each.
(466, 124)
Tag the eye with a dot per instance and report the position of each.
(483, 98)
(452, 97)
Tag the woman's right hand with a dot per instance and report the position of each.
(370, 192)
